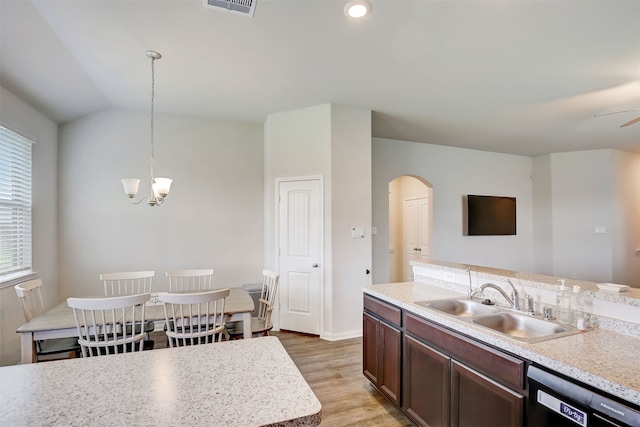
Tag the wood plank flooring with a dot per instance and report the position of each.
(333, 370)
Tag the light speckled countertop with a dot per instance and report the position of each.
(236, 383)
(603, 359)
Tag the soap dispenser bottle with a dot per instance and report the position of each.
(580, 317)
(563, 304)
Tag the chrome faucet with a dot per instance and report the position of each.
(513, 300)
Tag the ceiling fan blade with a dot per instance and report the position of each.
(615, 112)
(629, 123)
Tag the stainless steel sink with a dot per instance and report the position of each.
(523, 327)
(510, 323)
(460, 307)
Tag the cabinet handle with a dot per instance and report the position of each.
(314, 265)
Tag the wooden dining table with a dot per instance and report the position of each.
(243, 383)
(59, 322)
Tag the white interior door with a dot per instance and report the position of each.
(299, 236)
(416, 231)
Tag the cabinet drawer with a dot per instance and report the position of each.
(383, 310)
(502, 367)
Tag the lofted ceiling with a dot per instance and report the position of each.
(511, 76)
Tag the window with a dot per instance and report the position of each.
(15, 205)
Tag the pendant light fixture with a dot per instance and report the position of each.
(159, 186)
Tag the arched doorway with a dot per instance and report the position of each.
(410, 225)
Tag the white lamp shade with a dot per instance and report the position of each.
(131, 186)
(162, 186)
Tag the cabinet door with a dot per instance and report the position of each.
(370, 343)
(477, 401)
(381, 361)
(426, 384)
(390, 351)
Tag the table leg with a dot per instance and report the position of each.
(27, 348)
(246, 325)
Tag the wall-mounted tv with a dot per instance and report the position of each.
(490, 215)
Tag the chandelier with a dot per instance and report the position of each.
(159, 186)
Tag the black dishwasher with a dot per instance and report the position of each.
(557, 402)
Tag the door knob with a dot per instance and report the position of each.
(314, 265)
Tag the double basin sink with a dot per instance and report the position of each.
(511, 323)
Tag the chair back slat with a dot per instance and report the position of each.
(30, 297)
(195, 317)
(110, 325)
(127, 282)
(190, 280)
(270, 280)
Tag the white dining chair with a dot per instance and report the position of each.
(190, 280)
(32, 303)
(194, 317)
(260, 324)
(127, 282)
(110, 325)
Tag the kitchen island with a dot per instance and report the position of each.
(234, 383)
(601, 358)
(605, 357)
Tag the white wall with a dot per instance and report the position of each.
(212, 218)
(332, 141)
(543, 215)
(350, 207)
(570, 194)
(401, 189)
(581, 200)
(626, 214)
(395, 231)
(597, 188)
(20, 117)
(453, 173)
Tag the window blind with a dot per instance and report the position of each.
(15, 204)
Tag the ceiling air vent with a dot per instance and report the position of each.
(243, 7)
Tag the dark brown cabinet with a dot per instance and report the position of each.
(477, 401)
(382, 348)
(451, 380)
(446, 378)
(426, 385)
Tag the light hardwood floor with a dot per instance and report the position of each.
(333, 370)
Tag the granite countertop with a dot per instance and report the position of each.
(601, 358)
(236, 383)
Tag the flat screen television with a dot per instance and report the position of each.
(491, 215)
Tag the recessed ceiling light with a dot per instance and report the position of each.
(357, 8)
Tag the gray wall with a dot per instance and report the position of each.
(212, 218)
(453, 173)
(589, 189)
(561, 198)
(21, 118)
(333, 141)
